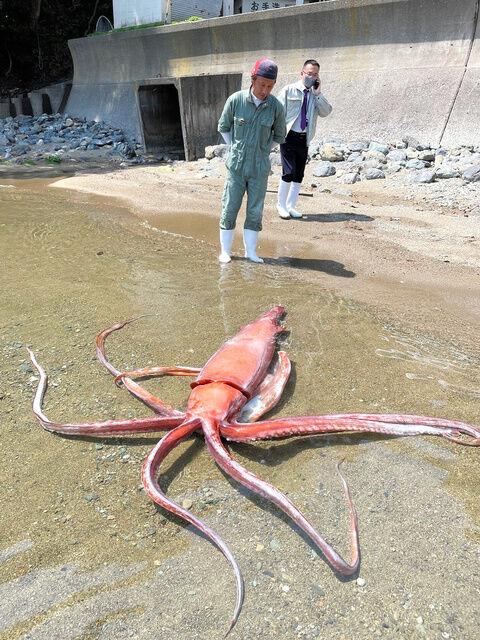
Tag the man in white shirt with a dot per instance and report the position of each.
(303, 102)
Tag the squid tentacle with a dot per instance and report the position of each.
(269, 391)
(152, 487)
(105, 428)
(157, 372)
(456, 426)
(261, 487)
(314, 425)
(148, 399)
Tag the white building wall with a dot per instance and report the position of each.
(183, 9)
(128, 13)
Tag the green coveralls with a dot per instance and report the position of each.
(253, 130)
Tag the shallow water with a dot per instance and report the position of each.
(73, 508)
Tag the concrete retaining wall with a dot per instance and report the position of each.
(389, 67)
(464, 121)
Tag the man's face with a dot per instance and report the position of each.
(262, 87)
(310, 70)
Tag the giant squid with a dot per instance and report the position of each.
(240, 383)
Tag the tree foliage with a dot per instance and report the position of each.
(34, 36)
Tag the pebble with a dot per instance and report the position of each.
(275, 545)
(91, 497)
(361, 582)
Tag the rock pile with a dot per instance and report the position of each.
(373, 160)
(58, 137)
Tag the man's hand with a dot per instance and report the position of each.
(317, 91)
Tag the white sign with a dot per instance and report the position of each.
(249, 6)
(128, 14)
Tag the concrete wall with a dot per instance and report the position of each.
(464, 121)
(389, 67)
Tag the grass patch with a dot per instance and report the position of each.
(54, 159)
(145, 26)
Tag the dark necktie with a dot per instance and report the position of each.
(303, 112)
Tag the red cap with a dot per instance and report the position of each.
(266, 68)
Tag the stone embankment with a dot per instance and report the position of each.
(452, 174)
(372, 160)
(449, 176)
(59, 138)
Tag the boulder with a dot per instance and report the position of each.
(331, 153)
(324, 169)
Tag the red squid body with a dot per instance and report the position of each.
(234, 372)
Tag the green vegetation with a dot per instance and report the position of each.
(54, 159)
(33, 39)
(145, 26)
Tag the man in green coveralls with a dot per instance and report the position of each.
(251, 121)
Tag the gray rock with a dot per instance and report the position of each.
(358, 145)
(372, 163)
(275, 159)
(355, 157)
(314, 149)
(445, 171)
(394, 167)
(275, 545)
(411, 153)
(423, 176)
(209, 152)
(397, 155)
(216, 151)
(378, 146)
(379, 156)
(350, 167)
(324, 169)
(399, 144)
(373, 174)
(415, 163)
(350, 178)
(412, 142)
(472, 174)
(427, 156)
(20, 149)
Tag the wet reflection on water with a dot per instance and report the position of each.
(72, 266)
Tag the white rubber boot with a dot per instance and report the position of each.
(250, 243)
(283, 189)
(292, 200)
(226, 241)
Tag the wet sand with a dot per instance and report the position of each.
(378, 242)
(86, 555)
